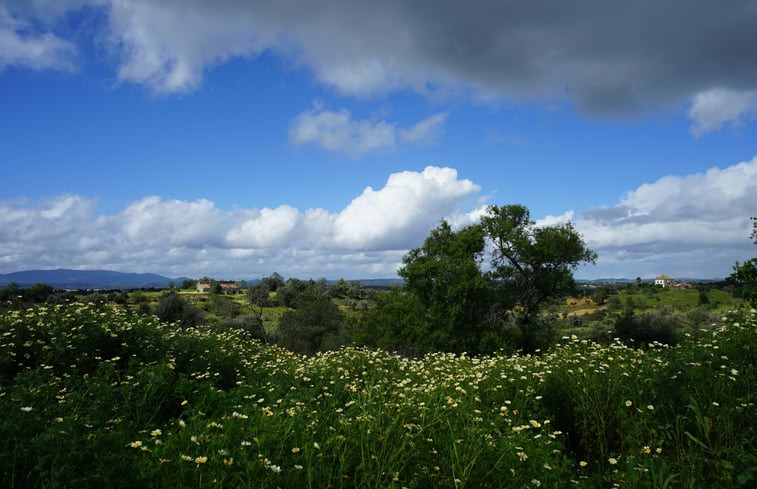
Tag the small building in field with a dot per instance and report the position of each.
(663, 281)
(228, 287)
(221, 286)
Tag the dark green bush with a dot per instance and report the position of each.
(646, 329)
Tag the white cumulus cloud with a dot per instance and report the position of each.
(402, 212)
(692, 224)
(152, 221)
(367, 238)
(264, 228)
(682, 225)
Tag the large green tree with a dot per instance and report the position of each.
(445, 276)
(451, 302)
(531, 264)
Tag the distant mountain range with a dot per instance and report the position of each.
(88, 279)
(107, 279)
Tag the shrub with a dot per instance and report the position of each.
(646, 329)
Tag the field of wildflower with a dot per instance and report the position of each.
(94, 396)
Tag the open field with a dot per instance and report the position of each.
(94, 396)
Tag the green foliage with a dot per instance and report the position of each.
(646, 329)
(397, 323)
(94, 396)
(316, 325)
(445, 277)
(273, 282)
(745, 274)
(16, 296)
(531, 264)
(682, 415)
(174, 308)
(189, 284)
(451, 304)
(223, 306)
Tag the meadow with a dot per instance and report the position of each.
(97, 396)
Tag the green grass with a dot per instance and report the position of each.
(678, 299)
(97, 397)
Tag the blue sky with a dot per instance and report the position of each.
(235, 139)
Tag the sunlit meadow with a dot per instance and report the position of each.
(94, 396)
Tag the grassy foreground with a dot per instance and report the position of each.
(93, 396)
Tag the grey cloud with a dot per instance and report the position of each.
(615, 58)
(606, 214)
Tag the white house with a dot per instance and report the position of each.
(663, 281)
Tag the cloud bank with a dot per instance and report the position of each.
(688, 225)
(608, 58)
(691, 225)
(367, 238)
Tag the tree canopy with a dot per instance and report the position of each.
(531, 264)
(452, 302)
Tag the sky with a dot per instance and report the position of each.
(234, 138)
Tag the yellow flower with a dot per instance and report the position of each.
(612, 460)
(650, 407)
(295, 450)
(629, 404)
(26, 409)
(228, 461)
(135, 444)
(522, 456)
(201, 460)
(156, 432)
(646, 449)
(583, 463)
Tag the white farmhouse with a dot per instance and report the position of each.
(663, 281)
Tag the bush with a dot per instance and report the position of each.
(173, 308)
(316, 325)
(646, 329)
